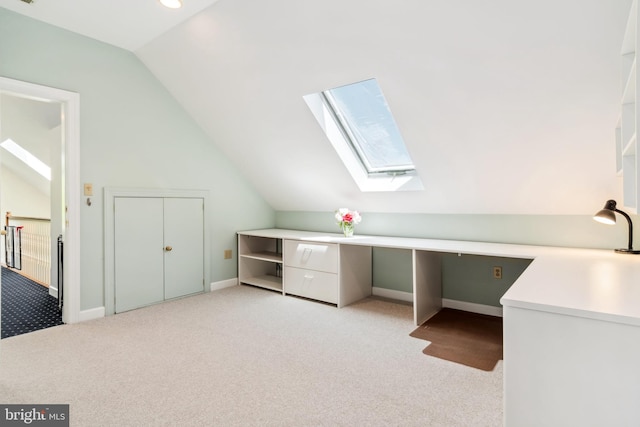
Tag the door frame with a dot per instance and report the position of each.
(110, 194)
(70, 103)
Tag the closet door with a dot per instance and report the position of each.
(138, 257)
(184, 246)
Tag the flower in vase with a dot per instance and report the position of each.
(346, 219)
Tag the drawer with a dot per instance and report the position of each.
(312, 284)
(312, 256)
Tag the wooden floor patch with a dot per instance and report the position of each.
(467, 338)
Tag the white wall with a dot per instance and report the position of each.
(20, 198)
(132, 134)
(506, 107)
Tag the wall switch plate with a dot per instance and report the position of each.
(227, 254)
(497, 272)
(88, 189)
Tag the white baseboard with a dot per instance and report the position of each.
(391, 294)
(53, 292)
(92, 313)
(448, 303)
(216, 286)
(472, 307)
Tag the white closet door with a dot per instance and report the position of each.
(138, 254)
(184, 234)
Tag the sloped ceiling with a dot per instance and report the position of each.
(124, 23)
(506, 106)
(34, 125)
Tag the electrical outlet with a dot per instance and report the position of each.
(227, 254)
(88, 189)
(497, 272)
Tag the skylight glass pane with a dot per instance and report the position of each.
(365, 116)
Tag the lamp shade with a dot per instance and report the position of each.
(605, 216)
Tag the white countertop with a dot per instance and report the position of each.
(596, 284)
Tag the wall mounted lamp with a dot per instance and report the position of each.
(607, 216)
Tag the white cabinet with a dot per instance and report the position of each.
(627, 157)
(304, 264)
(158, 249)
(311, 270)
(260, 261)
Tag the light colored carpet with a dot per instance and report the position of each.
(248, 357)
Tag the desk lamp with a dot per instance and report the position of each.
(607, 216)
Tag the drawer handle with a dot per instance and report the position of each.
(308, 277)
(306, 253)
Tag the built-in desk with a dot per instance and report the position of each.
(571, 322)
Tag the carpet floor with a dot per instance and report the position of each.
(243, 356)
(26, 305)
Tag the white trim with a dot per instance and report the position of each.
(216, 286)
(53, 291)
(110, 193)
(392, 294)
(447, 303)
(71, 139)
(472, 307)
(91, 314)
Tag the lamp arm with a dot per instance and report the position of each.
(630, 227)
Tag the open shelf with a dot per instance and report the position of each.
(264, 256)
(268, 282)
(260, 262)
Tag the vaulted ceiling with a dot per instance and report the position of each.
(506, 106)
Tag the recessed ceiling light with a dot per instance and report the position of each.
(172, 4)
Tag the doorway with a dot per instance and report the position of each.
(69, 204)
(31, 204)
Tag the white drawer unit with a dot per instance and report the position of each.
(303, 264)
(312, 284)
(311, 270)
(313, 256)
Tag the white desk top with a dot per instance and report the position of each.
(596, 284)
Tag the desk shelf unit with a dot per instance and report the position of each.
(260, 261)
(627, 154)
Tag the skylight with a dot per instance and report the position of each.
(364, 114)
(358, 122)
(29, 159)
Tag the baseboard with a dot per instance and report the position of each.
(53, 292)
(472, 307)
(448, 303)
(91, 314)
(216, 286)
(392, 294)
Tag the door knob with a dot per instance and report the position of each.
(168, 248)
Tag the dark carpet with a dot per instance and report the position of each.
(467, 338)
(26, 305)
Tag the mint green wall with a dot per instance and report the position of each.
(392, 269)
(133, 134)
(578, 231)
(470, 277)
(466, 278)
